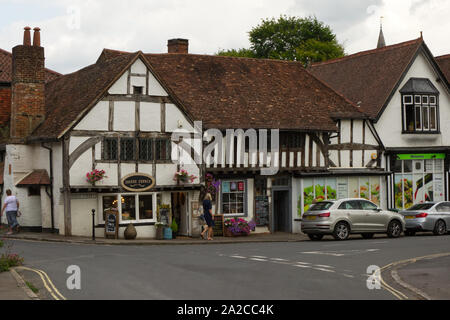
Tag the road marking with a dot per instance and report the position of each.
(348, 275)
(238, 257)
(301, 266)
(303, 262)
(278, 259)
(261, 257)
(323, 266)
(257, 259)
(325, 270)
(48, 284)
(339, 253)
(325, 253)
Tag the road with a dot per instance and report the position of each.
(268, 271)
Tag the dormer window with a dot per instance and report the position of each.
(420, 109)
(138, 90)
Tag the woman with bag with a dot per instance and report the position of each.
(11, 207)
(207, 213)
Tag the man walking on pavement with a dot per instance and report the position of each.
(11, 207)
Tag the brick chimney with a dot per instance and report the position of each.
(178, 46)
(28, 85)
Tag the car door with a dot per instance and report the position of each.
(443, 210)
(375, 219)
(354, 213)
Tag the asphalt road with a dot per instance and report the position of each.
(268, 271)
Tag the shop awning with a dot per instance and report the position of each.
(36, 177)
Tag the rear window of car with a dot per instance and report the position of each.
(421, 206)
(324, 205)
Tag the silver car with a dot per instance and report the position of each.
(428, 216)
(342, 217)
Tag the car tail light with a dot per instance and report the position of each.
(324, 215)
(422, 215)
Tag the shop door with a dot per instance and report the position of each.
(179, 205)
(281, 211)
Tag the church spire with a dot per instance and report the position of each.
(381, 43)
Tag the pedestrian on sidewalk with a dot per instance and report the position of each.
(11, 206)
(207, 212)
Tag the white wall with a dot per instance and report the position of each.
(96, 119)
(389, 126)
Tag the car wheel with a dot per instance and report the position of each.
(440, 228)
(341, 231)
(394, 229)
(315, 237)
(410, 233)
(367, 235)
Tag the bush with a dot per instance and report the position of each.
(8, 260)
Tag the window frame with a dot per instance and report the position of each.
(245, 200)
(119, 207)
(422, 106)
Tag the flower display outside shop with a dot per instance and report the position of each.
(212, 185)
(95, 175)
(239, 226)
(184, 176)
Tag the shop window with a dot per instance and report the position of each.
(133, 207)
(233, 197)
(127, 149)
(34, 191)
(163, 149)
(418, 181)
(146, 149)
(128, 207)
(145, 207)
(110, 149)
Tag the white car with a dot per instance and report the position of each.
(341, 218)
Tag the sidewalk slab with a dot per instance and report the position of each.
(10, 289)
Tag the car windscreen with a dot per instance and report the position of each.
(421, 206)
(324, 205)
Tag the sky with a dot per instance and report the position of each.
(74, 32)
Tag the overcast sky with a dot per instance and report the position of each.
(75, 31)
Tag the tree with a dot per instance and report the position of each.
(291, 38)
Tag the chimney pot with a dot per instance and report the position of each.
(178, 46)
(37, 37)
(27, 36)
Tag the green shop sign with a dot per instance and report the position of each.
(425, 156)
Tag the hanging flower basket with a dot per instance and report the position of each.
(184, 177)
(95, 175)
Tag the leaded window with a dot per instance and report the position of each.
(146, 149)
(163, 149)
(110, 149)
(127, 149)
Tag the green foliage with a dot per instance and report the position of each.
(246, 53)
(174, 226)
(32, 287)
(291, 38)
(8, 260)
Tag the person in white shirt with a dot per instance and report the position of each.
(11, 207)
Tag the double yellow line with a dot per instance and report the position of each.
(396, 293)
(47, 283)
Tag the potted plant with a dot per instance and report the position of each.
(130, 232)
(159, 230)
(238, 227)
(174, 227)
(184, 176)
(95, 175)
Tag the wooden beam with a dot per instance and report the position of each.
(82, 148)
(66, 186)
(142, 98)
(353, 146)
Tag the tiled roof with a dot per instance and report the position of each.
(227, 92)
(68, 96)
(36, 177)
(368, 77)
(6, 68)
(444, 64)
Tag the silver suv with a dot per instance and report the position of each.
(342, 217)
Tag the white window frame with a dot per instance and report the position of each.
(136, 195)
(245, 200)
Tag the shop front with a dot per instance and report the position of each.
(418, 178)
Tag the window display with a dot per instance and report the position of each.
(133, 207)
(233, 195)
(418, 181)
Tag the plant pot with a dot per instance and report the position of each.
(159, 233)
(228, 233)
(130, 232)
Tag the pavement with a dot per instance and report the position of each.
(264, 263)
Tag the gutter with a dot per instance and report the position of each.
(52, 210)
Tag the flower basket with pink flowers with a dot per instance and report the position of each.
(184, 176)
(95, 175)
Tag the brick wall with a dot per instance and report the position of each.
(28, 90)
(5, 105)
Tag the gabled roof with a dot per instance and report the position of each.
(6, 68)
(369, 77)
(444, 64)
(70, 96)
(36, 177)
